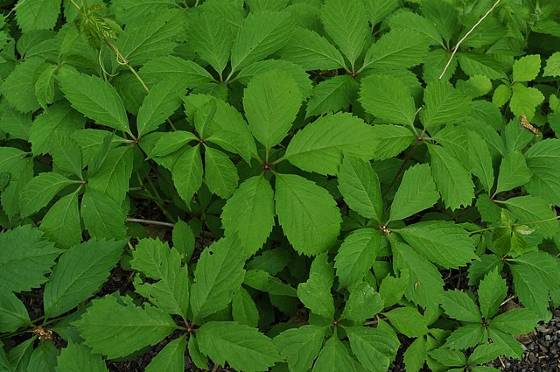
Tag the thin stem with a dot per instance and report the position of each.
(150, 222)
(466, 36)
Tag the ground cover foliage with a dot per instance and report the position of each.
(277, 185)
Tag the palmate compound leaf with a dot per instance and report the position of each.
(218, 275)
(244, 309)
(534, 212)
(260, 35)
(271, 101)
(301, 346)
(79, 273)
(363, 303)
(357, 255)
(187, 173)
(416, 192)
(514, 172)
(408, 321)
(442, 242)
(388, 99)
(95, 98)
(319, 146)
(307, 213)
(347, 25)
(492, 291)
(244, 348)
(25, 257)
(78, 357)
(359, 185)
(169, 290)
(115, 327)
(453, 181)
(220, 174)
(103, 217)
(460, 306)
(249, 213)
(332, 95)
(315, 293)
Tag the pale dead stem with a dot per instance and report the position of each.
(466, 36)
(150, 222)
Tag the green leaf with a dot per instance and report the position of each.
(535, 276)
(525, 100)
(492, 290)
(183, 239)
(465, 337)
(527, 68)
(514, 172)
(249, 213)
(300, 346)
(13, 314)
(67, 156)
(315, 293)
(79, 273)
(508, 344)
(449, 358)
(77, 357)
(542, 160)
(242, 347)
(103, 217)
(261, 35)
(319, 146)
(218, 275)
(534, 212)
(173, 68)
(142, 41)
(37, 15)
(162, 101)
(25, 268)
(62, 222)
(244, 309)
(388, 99)
(357, 255)
(220, 173)
(362, 304)
(312, 51)
(19, 86)
(168, 284)
(375, 348)
(392, 288)
(443, 104)
(171, 358)
(480, 160)
(307, 214)
(442, 242)
(263, 281)
(113, 175)
(460, 306)
(501, 95)
(334, 356)
(415, 355)
(210, 37)
(187, 173)
(515, 322)
(408, 321)
(272, 101)
(116, 327)
(170, 142)
(332, 95)
(411, 21)
(359, 185)
(416, 193)
(397, 49)
(40, 191)
(43, 357)
(425, 284)
(453, 181)
(347, 25)
(95, 98)
(552, 67)
(44, 86)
